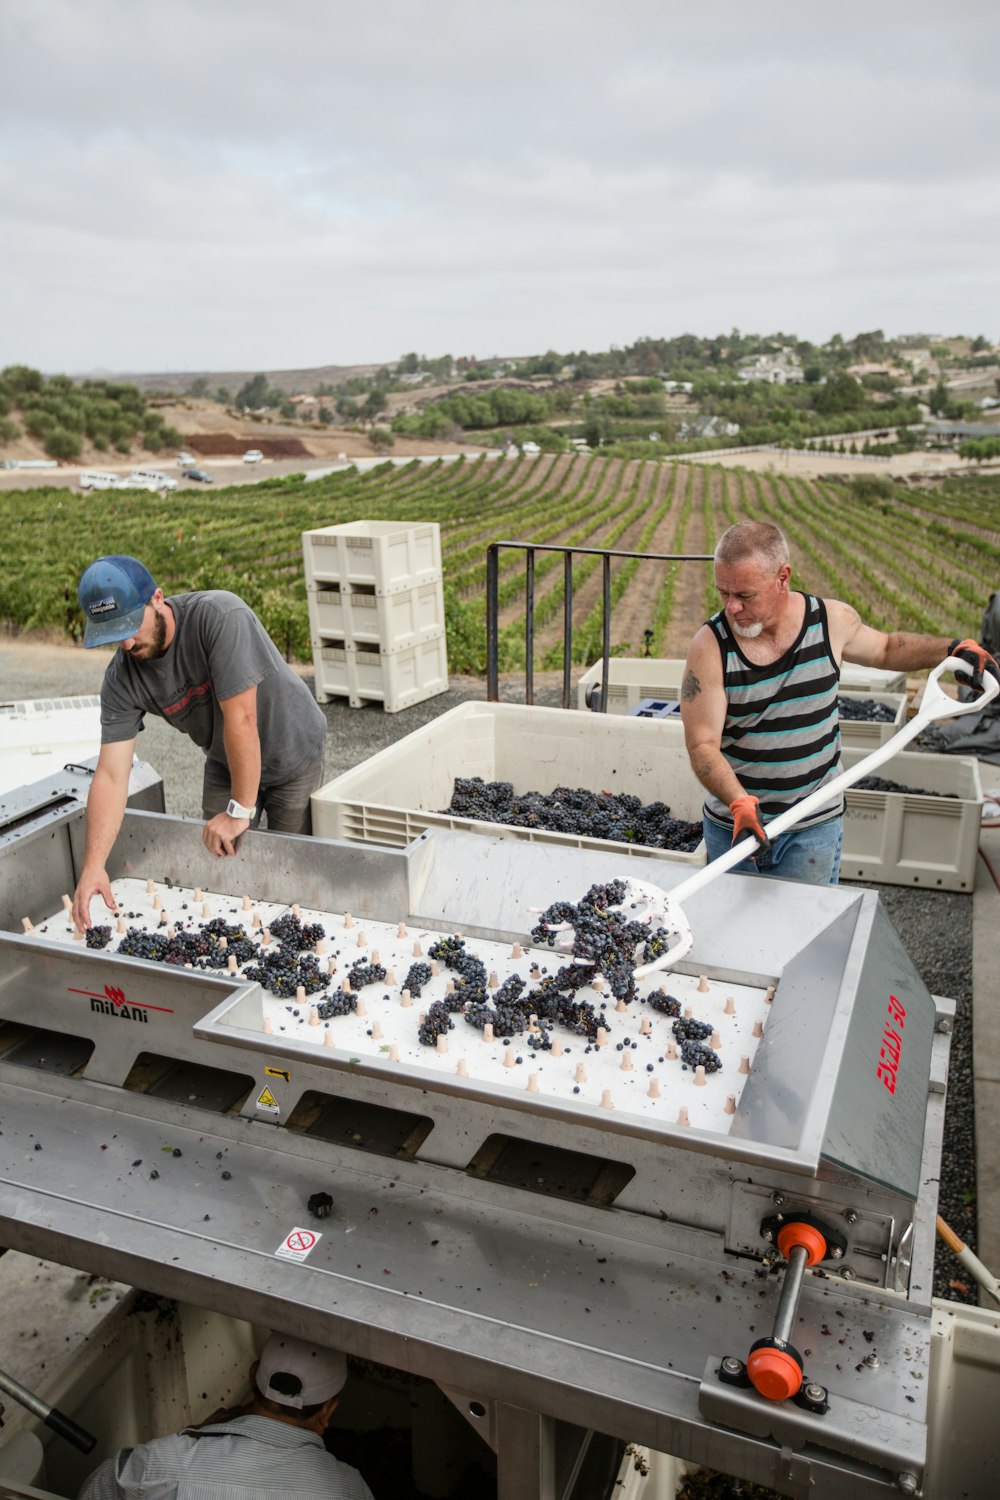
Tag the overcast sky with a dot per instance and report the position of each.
(249, 184)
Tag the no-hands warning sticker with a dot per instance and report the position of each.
(298, 1244)
(267, 1101)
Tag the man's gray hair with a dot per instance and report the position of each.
(752, 539)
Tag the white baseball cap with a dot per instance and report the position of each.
(322, 1372)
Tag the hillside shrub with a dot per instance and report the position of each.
(62, 444)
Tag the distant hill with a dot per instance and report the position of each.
(176, 383)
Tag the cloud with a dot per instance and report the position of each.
(240, 184)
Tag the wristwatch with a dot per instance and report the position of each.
(237, 810)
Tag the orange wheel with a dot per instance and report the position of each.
(774, 1373)
(792, 1234)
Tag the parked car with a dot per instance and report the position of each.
(150, 479)
(199, 476)
(252, 456)
(98, 479)
(185, 460)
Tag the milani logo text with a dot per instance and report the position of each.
(892, 1044)
(113, 1002)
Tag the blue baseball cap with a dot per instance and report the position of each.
(113, 595)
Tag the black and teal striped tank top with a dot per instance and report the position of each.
(782, 733)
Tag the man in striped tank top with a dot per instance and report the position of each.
(759, 702)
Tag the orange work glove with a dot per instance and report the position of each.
(746, 823)
(979, 660)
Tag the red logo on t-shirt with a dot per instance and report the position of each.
(200, 691)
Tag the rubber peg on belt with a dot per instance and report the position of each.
(792, 1234)
(774, 1373)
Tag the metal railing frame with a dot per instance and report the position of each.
(568, 553)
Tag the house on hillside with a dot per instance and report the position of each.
(707, 427)
(937, 433)
(776, 369)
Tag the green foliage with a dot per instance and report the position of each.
(375, 402)
(286, 620)
(980, 448)
(256, 393)
(905, 557)
(547, 438)
(873, 487)
(502, 407)
(19, 381)
(841, 393)
(381, 438)
(9, 430)
(62, 444)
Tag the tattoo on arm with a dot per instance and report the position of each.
(690, 686)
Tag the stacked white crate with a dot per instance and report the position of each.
(376, 612)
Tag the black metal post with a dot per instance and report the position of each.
(606, 632)
(492, 622)
(567, 628)
(529, 626)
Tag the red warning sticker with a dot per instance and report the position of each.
(298, 1244)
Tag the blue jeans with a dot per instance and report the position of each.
(811, 855)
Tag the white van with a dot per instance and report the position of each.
(96, 479)
(150, 479)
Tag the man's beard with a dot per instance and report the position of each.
(748, 632)
(158, 645)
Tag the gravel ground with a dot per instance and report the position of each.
(935, 926)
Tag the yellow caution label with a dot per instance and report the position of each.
(279, 1073)
(266, 1100)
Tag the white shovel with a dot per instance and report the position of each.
(647, 903)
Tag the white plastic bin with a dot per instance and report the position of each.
(393, 622)
(399, 793)
(630, 679)
(40, 736)
(388, 555)
(396, 679)
(870, 680)
(862, 734)
(908, 839)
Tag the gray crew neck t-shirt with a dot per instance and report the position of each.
(219, 649)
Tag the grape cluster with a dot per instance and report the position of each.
(880, 784)
(599, 815)
(470, 983)
(605, 938)
(361, 974)
(436, 1022)
(416, 977)
(201, 948)
(139, 944)
(98, 937)
(691, 1031)
(293, 933)
(657, 943)
(695, 1054)
(666, 1004)
(282, 972)
(340, 1003)
(865, 710)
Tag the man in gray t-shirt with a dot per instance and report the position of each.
(204, 663)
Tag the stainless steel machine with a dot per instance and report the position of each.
(747, 1285)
